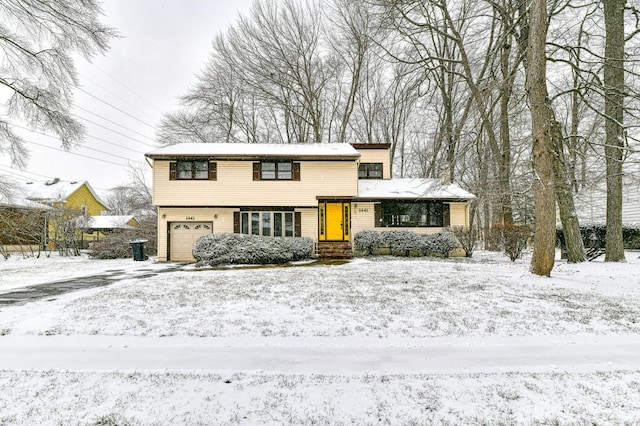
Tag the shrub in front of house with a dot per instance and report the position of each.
(440, 243)
(116, 245)
(223, 249)
(404, 243)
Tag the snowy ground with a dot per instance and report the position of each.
(372, 341)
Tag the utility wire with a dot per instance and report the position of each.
(85, 156)
(93, 137)
(116, 108)
(126, 87)
(113, 131)
(115, 95)
(112, 122)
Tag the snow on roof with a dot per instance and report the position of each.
(34, 194)
(106, 222)
(410, 189)
(315, 150)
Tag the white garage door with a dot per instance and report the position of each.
(182, 236)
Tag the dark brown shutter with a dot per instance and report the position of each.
(236, 222)
(297, 224)
(295, 168)
(257, 171)
(377, 214)
(173, 170)
(446, 215)
(213, 170)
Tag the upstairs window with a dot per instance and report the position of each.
(370, 171)
(193, 170)
(276, 170)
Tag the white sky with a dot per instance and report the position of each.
(163, 45)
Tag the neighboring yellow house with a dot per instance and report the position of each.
(67, 199)
(327, 192)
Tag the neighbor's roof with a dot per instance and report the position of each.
(255, 150)
(410, 189)
(106, 222)
(32, 194)
(55, 190)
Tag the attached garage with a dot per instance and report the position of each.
(182, 235)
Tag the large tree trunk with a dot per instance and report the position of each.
(564, 196)
(542, 132)
(614, 116)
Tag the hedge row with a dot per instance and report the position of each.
(593, 236)
(404, 243)
(218, 249)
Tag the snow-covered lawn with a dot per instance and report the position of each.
(381, 340)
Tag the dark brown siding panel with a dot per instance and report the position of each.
(446, 215)
(173, 170)
(213, 170)
(298, 224)
(256, 171)
(377, 214)
(296, 171)
(236, 222)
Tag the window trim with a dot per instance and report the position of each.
(294, 172)
(243, 221)
(369, 168)
(211, 174)
(385, 219)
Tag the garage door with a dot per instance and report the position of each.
(182, 236)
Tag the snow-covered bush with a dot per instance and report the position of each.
(218, 249)
(401, 243)
(366, 242)
(405, 243)
(467, 237)
(440, 243)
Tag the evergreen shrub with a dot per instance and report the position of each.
(218, 249)
(405, 243)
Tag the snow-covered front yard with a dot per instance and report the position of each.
(371, 341)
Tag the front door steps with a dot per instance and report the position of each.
(334, 250)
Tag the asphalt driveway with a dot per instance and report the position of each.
(20, 296)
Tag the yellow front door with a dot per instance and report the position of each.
(334, 221)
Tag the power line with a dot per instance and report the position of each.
(20, 173)
(126, 87)
(112, 122)
(115, 95)
(116, 108)
(113, 131)
(82, 155)
(93, 137)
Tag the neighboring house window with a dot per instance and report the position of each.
(193, 170)
(370, 171)
(276, 170)
(412, 214)
(268, 224)
(83, 210)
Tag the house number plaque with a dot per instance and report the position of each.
(191, 218)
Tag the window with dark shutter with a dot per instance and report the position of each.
(297, 223)
(192, 170)
(276, 170)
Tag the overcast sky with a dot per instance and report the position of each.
(123, 94)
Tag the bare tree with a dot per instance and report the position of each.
(37, 42)
(542, 124)
(614, 89)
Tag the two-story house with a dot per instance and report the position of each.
(327, 192)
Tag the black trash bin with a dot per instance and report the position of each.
(139, 250)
